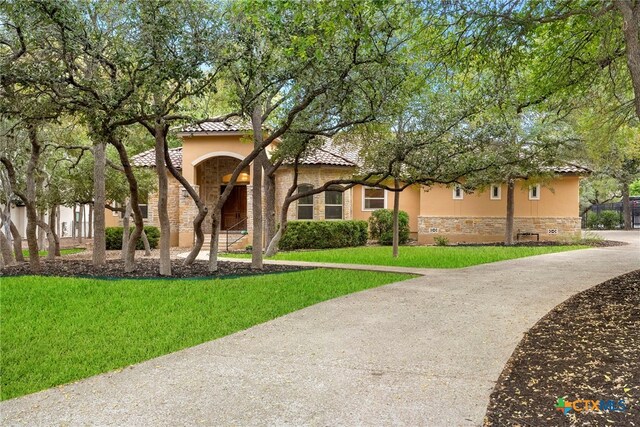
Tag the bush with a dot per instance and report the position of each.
(381, 226)
(605, 220)
(440, 240)
(114, 237)
(323, 234)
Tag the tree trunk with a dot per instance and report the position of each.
(163, 205)
(631, 29)
(270, 201)
(30, 202)
(508, 232)
(215, 215)
(17, 242)
(130, 260)
(626, 207)
(272, 247)
(202, 209)
(73, 222)
(256, 179)
(145, 242)
(125, 230)
(90, 232)
(51, 249)
(396, 225)
(32, 237)
(58, 224)
(99, 255)
(7, 252)
(41, 232)
(81, 226)
(215, 237)
(52, 225)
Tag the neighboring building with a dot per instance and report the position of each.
(70, 221)
(211, 151)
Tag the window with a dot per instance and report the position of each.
(373, 198)
(305, 204)
(496, 192)
(534, 192)
(458, 194)
(333, 203)
(143, 200)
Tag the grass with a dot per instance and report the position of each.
(420, 256)
(58, 330)
(69, 251)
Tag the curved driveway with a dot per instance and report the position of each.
(425, 351)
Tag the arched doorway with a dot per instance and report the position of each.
(212, 176)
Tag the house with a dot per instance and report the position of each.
(71, 221)
(211, 151)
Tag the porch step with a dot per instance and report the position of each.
(236, 241)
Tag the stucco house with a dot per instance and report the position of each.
(211, 151)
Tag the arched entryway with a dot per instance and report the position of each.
(212, 177)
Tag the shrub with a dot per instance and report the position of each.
(605, 220)
(114, 237)
(381, 226)
(323, 234)
(440, 240)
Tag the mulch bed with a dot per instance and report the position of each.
(586, 348)
(146, 268)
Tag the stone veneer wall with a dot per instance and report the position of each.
(316, 176)
(491, 229)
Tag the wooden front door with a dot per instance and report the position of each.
(234, 211)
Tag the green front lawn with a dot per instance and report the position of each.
(57, 330)
(69, 251)
(419, 256)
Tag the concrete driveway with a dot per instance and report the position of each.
(425, 351)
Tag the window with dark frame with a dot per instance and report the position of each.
(534, 192)
(333, 203)
(495, 192)
(458, 194)
(305, 204)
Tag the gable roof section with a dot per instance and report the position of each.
(231, 125)
(147, 159)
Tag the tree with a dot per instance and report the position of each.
(293, 57)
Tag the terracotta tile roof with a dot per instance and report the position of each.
(570, 168)
(234, 124)
(329, 154)
(147, 158)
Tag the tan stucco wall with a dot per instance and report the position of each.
(111, 219)
(409, 202)
(558, 198)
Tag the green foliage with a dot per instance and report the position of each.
(441, 241)
(634, 188)
(605, 220)
(114, 237)
(323, 234)
(381, 226)
(56, 330)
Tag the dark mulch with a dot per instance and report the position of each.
(594, 243)
(586, 348)
(146, 268)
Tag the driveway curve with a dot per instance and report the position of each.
(425, 351)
